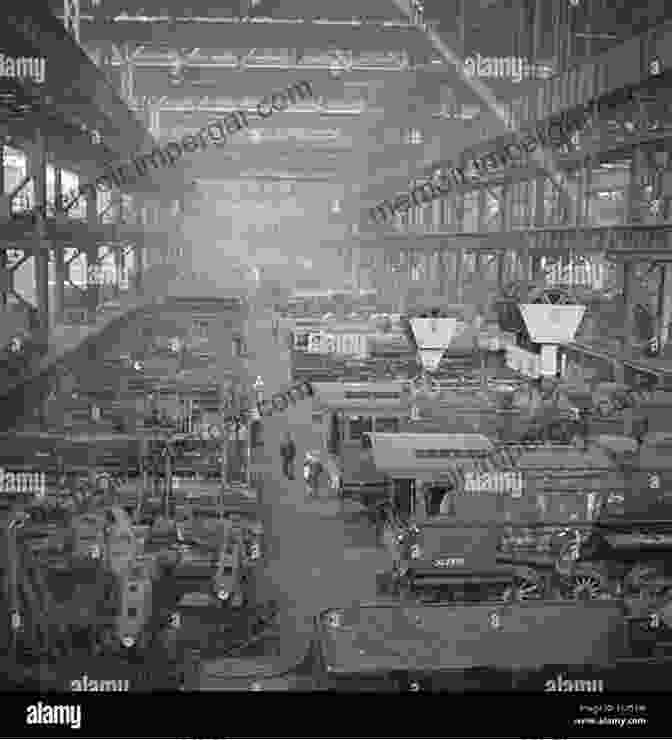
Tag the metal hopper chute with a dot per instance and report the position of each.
(551, 325)
(433, 336)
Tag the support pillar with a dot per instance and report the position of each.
(633, 213)
(119, 255)
(430, 260)
(6, 278)
(139, 266)
(586, 213)
(506, 205)
(410, 291)
(5, 275)
(459, 211)
(441, 272)
(532, 260)
(119, 267)
(37, 169)
(459, 275)
(539, 202)
(501, 270)
(60, 269)
(401, 291)
(478, 265)
(627, 276)
(665, 304)
(383, 271)
(462, 24)
(91, 253)
(355, 259)
(481, 210)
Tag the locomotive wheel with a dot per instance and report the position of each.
(647, 581)
(585, 584)
(526, 585)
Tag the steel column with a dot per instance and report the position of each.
(628, 279)
(481, 209)
(459, 275)
(586, 211)
(4, 272)
(461, 12)
(60, 269)
(91, 252)
(441, 272)
(478, 266)
(355, 259)
(119, 255)
(430, 262)
(537, 31)
(37, 169)
(402, 281)
(664, 304)
(633, 213)
(459, 211)
(539, 201)
(501, 270)
(506, 205)
(139, 254)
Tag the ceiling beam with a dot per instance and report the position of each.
(369, 129)
(344, 9)
(234, 33)
(381, 86)
(250, 83)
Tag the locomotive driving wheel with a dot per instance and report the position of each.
(527, 585)
(585, 584)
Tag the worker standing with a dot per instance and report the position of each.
(288, 454)
(313, 469)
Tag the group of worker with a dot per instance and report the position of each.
(313, 468)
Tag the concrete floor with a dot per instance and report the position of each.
(316, 555)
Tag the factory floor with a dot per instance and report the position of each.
(317, 555)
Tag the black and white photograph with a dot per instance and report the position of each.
(335, 358)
